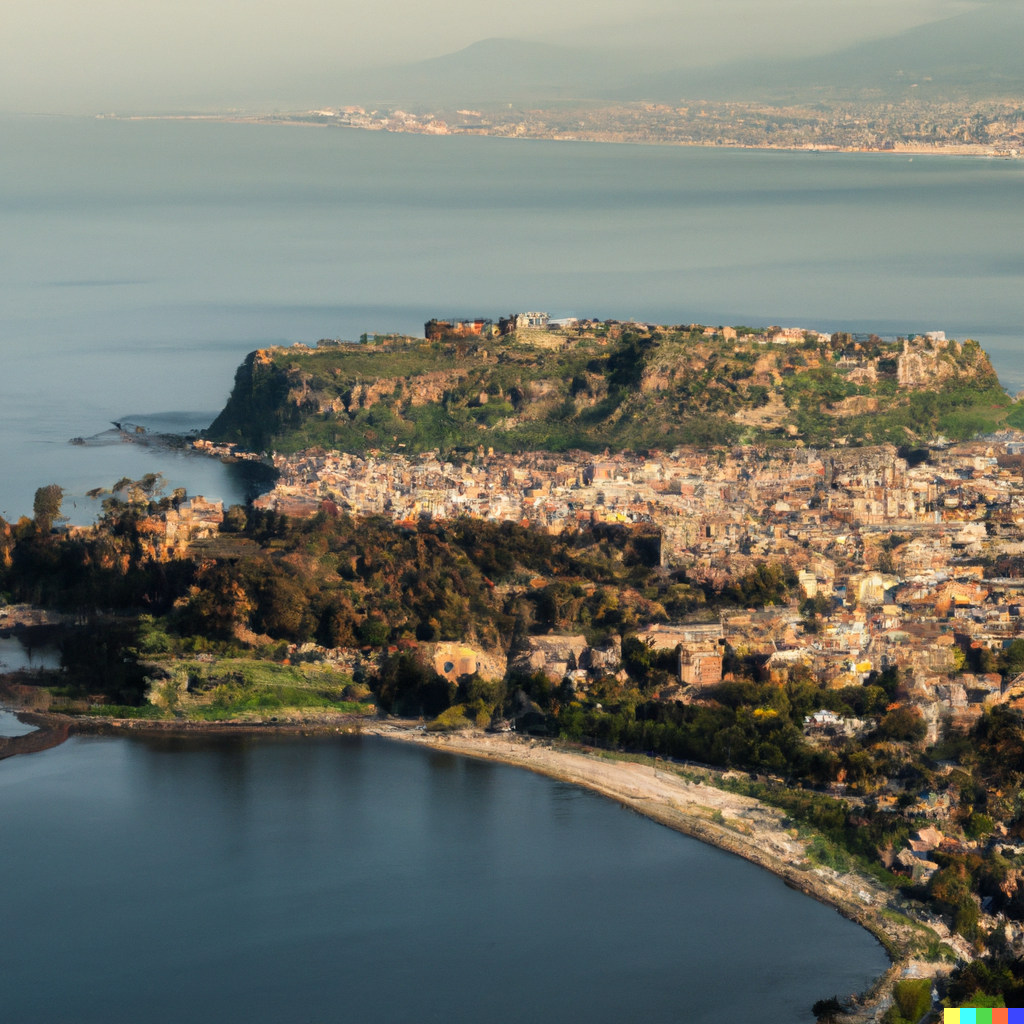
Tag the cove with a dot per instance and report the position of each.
(352, 879)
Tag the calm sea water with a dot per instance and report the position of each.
(354, 880)
(140, 261)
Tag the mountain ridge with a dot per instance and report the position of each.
(976, 51)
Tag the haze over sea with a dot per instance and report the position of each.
(141, 260)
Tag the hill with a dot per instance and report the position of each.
(610, 385)
(495, 71)
(976, 54)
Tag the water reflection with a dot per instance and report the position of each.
(21, 654)
(10, 726)
(288, 878)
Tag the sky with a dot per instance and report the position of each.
(136, 56)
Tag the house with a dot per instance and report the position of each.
(523, 321)
(458, 327)
(453, 660)
(822, 720)
(700, 664)
(870, 588)
(555, 656)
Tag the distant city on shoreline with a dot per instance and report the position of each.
(990, 127)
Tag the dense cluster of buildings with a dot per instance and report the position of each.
(899, 553)
(438, 329)
(983, 127)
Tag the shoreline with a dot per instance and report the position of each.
(736, 824)
(740, 825)
(975, 150)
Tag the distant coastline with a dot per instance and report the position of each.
(644, 134)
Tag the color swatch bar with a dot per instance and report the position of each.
(967, 1015)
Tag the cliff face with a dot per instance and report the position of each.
(927, 363)
(257, 410)
(618, 389)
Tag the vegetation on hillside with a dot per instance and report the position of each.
(632, 389)
(223, 638)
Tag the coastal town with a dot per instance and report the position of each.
(490, 486)
(915, 566)
(911, 557)
(835, 620)
(990, 127)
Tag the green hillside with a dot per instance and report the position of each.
(612, 386)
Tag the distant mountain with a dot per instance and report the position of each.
(978, 53)
(983, 49)
(499, 71)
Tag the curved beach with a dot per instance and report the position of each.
(686, 800)
(737, 824)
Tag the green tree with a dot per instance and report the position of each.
(637, 656)
(374, 632)
(235, 520)
(46, 507)
(913, 997)
(903, 724)
(282, 608)
(1011, 662)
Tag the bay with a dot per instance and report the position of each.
(141, 260)
(352, 879)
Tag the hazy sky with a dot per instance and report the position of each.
(138, 55)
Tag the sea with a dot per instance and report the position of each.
(140, 260)
(275, 881)
(348, 879)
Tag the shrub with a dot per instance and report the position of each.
(903, 724)
(450, 720)
(913, 998)
(828, 1010)
(978, 825)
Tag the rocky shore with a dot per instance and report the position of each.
(47, 734)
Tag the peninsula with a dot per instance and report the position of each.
(764, 585)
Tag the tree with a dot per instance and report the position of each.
(409, 686)
(46, 507)
(828, 1010)
(637, 655)
(1012, 659)
(282, 607)
(235, 520)
(904, 723)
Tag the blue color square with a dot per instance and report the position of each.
(1015, 1015)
